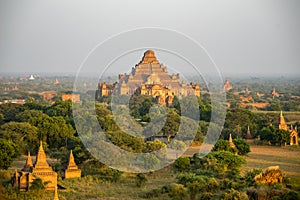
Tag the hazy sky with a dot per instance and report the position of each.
(250, 36)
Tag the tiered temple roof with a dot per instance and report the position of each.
(40, 169)
(149, 77)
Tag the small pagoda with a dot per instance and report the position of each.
(72, 170)
(232, 145)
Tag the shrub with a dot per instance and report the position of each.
(182, 163)
(37, 184)
(178, 192)
(4, 174)
(205, 196)
(8, 152)
(186, 178)
(212, 185)
(221, 145)
(292, 195)
(242, 146)
(194, 188)
(153, 193)
(222, 162)
(140, 180)
(234, 195)
(249, 177)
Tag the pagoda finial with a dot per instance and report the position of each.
(28, 163)
(41, 145)
(282, 124)
(230, 138)
(72, 170)
(55, 194)
(71, 159)
(248, 133)
(231, 142)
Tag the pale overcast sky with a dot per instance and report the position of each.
(250, 36)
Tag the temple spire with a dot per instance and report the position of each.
(28, 163)
(72, 170)
(71, 160)
(55, 194)
(282, 124)
(231, 142)
(41, 161)
(248, 133)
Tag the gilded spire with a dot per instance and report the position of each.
(71, 159)
(28, 163)
(231, 142)
(55, 194)
(282, 124)
(41, 161)
(72, 164)
(248, 133)
(72, 170)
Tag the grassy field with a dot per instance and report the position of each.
(287, 158)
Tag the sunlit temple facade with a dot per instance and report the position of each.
(149, 77)
(293, 131)
(41, 169)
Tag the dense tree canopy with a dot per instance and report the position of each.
(8, 152)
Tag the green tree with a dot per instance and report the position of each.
(222, 145)
(242, 146)
(212, 185)
(37, 184)
(172, 123)
(10, 110)
(26, 115)
(282, 136)
(233, 194)
(8, 152)
(268, 134)
(54, 130)
(194, 189)
(178, 192)
(155, 145)
(182, 163)
(222, 161)
(61, 109)
(22, 133)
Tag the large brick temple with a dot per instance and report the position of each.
(149, 77)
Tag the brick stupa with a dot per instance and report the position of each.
(72, 170)
(41, 169)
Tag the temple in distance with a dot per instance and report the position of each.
(149, 77)
(293, 131)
